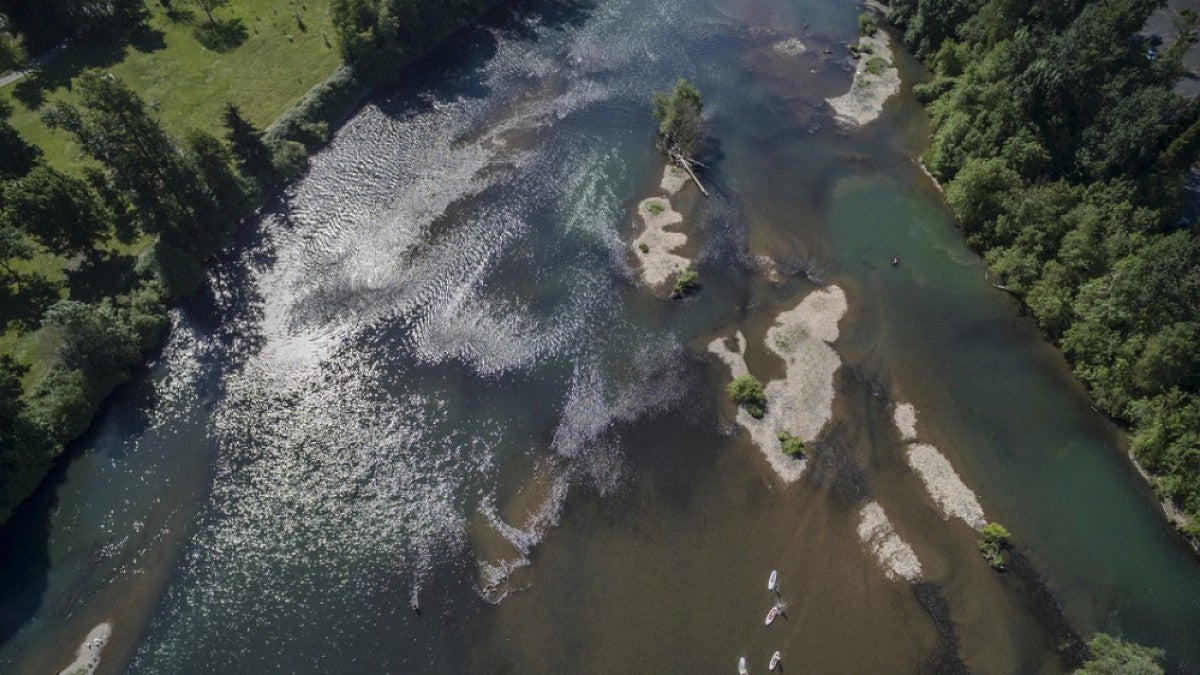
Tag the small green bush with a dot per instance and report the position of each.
(290, 159)
(643, 247)
(747, 392)
(791, 445)
(687, 281)
(655, 208)
(877, 65)
(866, 23)
(995, 540)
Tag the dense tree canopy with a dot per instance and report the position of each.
(1112, 656)
(59, 211)
(171, 196)
(1063, 150)
(45, 23)
(378, 36)
(678, 115)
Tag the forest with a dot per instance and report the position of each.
(187, 194)
(1063, 150)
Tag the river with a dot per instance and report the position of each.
(425, 419)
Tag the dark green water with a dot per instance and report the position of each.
(429, 380)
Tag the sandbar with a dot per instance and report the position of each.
(802, 402)
(896, 556)
(87, 657)
(868, 91)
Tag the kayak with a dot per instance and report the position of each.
(773, 581)
(775, 658)
(771, 615)
(742, 669)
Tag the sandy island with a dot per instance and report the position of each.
(905, 417)
(943, 484)
(896, 556)
(658, 262)
(87, 657)
(868, 91)
(802, 402)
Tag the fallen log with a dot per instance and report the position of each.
(683, 162)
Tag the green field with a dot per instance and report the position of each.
(290, 46)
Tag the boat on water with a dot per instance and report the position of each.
(775, 659)
(771, 615)
(742, 669)
(773, 582)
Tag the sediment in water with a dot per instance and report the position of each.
(952, 496)
(790, 47)
(905, 418)
(942, 482)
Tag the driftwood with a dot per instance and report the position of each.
(685, 164)
(988, 278)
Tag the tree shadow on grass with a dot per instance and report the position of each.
(23, 307)
(222, 36)
(93, 51)
(180, 15)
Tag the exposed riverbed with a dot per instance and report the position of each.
(429, 419)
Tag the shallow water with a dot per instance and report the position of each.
(427, 420)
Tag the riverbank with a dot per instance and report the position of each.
(1122, 306)
(305, 126)
(1182, 521)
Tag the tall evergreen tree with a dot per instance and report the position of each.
(214, 162)
(253, 155)
(114, 127)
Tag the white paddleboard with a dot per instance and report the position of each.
(771, 616)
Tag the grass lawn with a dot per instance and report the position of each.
(289, 47)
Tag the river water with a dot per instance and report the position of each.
(426, 419)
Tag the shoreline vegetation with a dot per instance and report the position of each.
(136, 209)
(1062, 150)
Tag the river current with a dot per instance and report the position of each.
(425, 418)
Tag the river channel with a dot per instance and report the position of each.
(426, 418)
